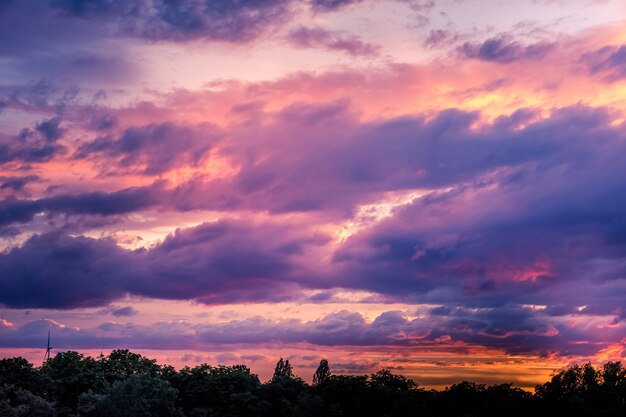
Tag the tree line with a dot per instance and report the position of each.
(126, 384)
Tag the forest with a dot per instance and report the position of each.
(126, 384)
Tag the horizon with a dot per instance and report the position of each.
(266, 376)
(431, 187)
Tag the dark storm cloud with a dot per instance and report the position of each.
(212, 263)
(504, 50)
(96, 203)
(57, 271)
(540, 233)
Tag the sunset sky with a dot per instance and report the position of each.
(437, 187)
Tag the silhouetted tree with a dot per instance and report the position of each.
(614, 384)
(584, 389)
(16, 402)
(140, 395)
(321, 373)
(126, 384)
(20, 373)
(345, 395)
(284, 390)
(283, 370)
(386, 379)
(68, 375)
(207, 388)
(122, 363)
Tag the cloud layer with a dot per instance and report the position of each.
(250, 153)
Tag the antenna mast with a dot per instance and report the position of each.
(46, 357)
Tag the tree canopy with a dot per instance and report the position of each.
(126, 384)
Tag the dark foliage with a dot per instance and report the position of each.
(125, 384)
(322, 373)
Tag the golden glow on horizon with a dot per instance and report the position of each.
(430, 369)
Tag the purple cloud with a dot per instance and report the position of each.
(503, 50)
(306, 37)
(34, 145)
(331, 5)
(230, 21)
(353, 162)
(59, 271)
(440, 37)
(524, 239)
(526, 211)
(42, 96)
(513, 225)
(156, 148)
(609, 60)
(124, 311)
(513, 330)
(16, 183)
(9, 232)
(213, 263)
(96, 203)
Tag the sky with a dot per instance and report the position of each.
(435, 187)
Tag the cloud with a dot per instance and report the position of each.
(9, 232)
(57, 271)
(381, 180)
(92, 43)
(331, 5)
(528, 235)
(504, 50)
(16, 183)
(124, 311)
(511, 330)
(354, 162)
(308, 37)
(95, 203)
(46, 97)
(103, 122)
(522, 211)
(50, 130)
(609, 61)
(440, 37)
(34, 145)
(181, 20)
(156, 148)
(218, 262)
(230, 21)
